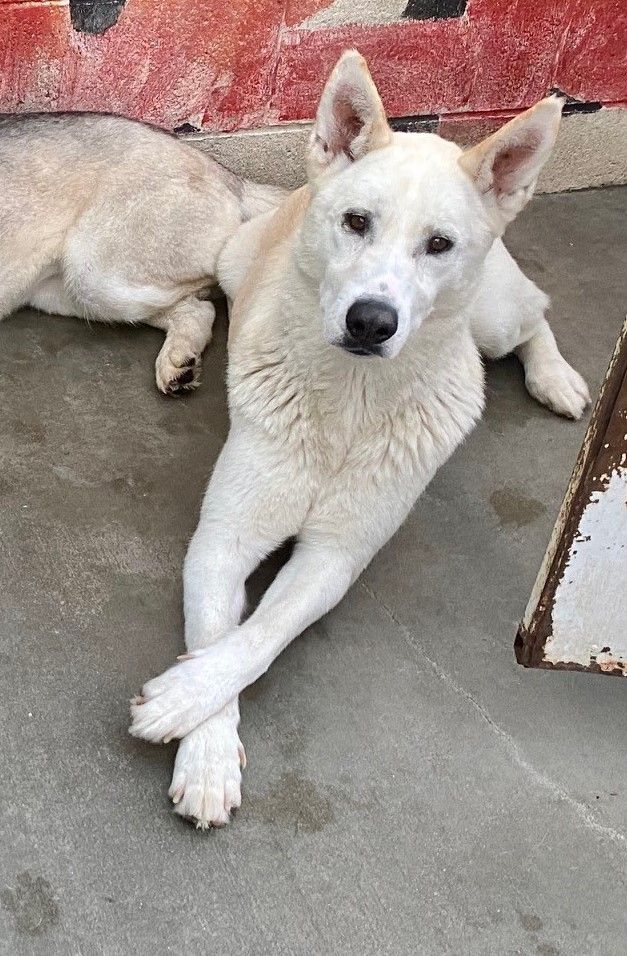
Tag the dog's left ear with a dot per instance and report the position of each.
(505, 166)
(350, 121)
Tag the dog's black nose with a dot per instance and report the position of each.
(371, 321)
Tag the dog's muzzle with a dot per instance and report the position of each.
(369, 323)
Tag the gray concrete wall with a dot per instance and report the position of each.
(591, 150)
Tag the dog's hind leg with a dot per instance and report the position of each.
(508, 315)
(188, 327)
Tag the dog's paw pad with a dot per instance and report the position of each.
(176, 375)
(185, 379)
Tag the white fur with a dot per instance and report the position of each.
(107, 219)
(325, 446)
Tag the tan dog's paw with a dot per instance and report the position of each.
(177, 370)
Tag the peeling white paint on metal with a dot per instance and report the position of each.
(556, 534)
(590, 607)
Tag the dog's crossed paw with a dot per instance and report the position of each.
(162, 711)
(206, 783)
(174, 703)
(199, 686)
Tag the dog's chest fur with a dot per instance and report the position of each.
(335, 415)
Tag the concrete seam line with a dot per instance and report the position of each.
(582, 812)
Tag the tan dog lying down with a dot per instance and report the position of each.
(105, 218)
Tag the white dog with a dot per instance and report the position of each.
(358, 311)
(108, 219)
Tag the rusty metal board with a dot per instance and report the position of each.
(577, 614)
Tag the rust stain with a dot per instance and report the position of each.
(609, 665)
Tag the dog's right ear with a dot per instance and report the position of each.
(350, 121)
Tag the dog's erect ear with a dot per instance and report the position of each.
(350, 121)
(505, 166)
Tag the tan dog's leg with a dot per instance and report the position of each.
(188, 328)
(17, 279)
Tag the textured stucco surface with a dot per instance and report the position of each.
(410, 789)
(247, 65)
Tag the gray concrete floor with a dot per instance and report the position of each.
(410, 788)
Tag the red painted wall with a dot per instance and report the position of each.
(237, 65)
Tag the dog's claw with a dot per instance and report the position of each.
(177, 795)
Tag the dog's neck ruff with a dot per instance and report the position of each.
(319, 401)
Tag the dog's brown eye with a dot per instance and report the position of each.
(356, 223)
(437, 244)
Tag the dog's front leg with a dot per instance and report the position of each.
(206, 782)
(312, 582)
(237, 528)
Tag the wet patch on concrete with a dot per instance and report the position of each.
(32, 432)
(530, 922)
(514, 508)
(32, 904)
(292, 742)
(294, 802)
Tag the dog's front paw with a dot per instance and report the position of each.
(177, 370)
(206, 783)
(559, 387)
(174, 703)
(167, 707)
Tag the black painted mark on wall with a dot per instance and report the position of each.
(95, 16)
(428, 123)
(575, 106)
(434, 9)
